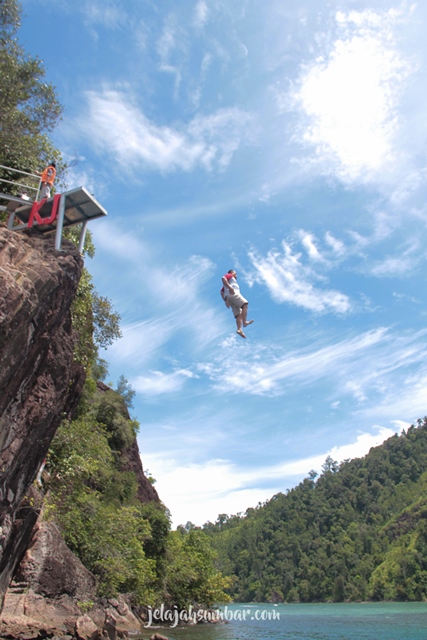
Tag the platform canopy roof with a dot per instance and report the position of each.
(80, 207)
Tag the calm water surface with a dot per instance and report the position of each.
(370, 621)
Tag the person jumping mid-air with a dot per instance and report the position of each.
(233, 299)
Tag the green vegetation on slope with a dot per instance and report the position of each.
(128, 545)
(95, 501)
(357, 532)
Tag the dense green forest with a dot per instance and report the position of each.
(357, 532)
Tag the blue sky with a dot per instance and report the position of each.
(286, 140)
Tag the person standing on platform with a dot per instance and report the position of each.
(48, 178)
(233, 299)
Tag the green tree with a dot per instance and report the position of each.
(191, 574)
(124, 389)
(95, 321)
(29, 109)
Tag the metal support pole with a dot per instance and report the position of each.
(82, 236)
(59, 223)
(10, 220)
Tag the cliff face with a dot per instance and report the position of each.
(39, 384)
(131, 461)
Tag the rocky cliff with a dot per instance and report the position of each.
(39, 383)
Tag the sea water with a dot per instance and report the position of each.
(358, 621)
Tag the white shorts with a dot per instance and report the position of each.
(236, 302)
(45, 191)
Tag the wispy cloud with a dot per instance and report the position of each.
(121, 243)
(349, 96)
(375, 368)
(289, 279)
(201, 14)
(171, 42)
(119, 128)
(309, 243)
(167, 301)
(337, 246)
(401, 263)
(157, 383)
(168, 40)
(263, 371)
(200, 492)
(406, 397)
(141, 342)
(107, 13)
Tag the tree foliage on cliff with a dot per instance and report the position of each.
(94, 499)
(29, 108)
(357, 532)
(126, 544)
(96, 323)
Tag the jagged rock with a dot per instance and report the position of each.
(113, 602)
(110, 627)
(86, 629)
(46, 590)
(122, 609)
(31, 613)
(39, 383)
(51, 569)
(118, 621)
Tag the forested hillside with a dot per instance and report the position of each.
(357, 532)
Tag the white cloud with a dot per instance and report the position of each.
(337, 246)
(263, 371)
(407, 397)
(79, 176)
(141, 341)
(350, 96)
(289, 280)
(158, 383)
(355, 389)
(116, 241)
(167, 42)
(201, 14)
(167, 302)
(400, 264)
(308, 242)
(380, 370)
(119, 128)
(171, 41)
(206, 63)
(200, 492)
(106, 13)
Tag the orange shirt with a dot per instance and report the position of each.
(49, 174)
